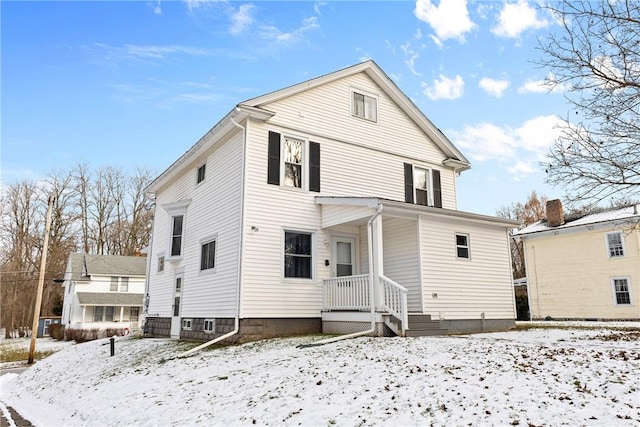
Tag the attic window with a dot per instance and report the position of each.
(201, 173)
(364, 106)
(615, 244)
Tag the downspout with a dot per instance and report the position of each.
(145, 302)
(236, 319)
(371, 290)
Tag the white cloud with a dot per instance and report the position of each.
(317, 5)
(411, 58)
(518, 150)
(272, 33)
(418, 34)
(494, 87)
(515, 18)
(444, 88)
(242, 19)
(541, 86)
(450, 19)
(156, 8)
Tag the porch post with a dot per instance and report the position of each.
(121, 313)
(378, 261)
(84, 312)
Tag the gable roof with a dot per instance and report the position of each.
(254, 108)
(106, 265)
(628, 214)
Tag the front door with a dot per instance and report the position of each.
(344, 256)
(175, 315)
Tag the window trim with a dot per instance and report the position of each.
(467, 246)
(203, 167)
(173, 210)
(212, 330)
(304, 165)
(612, 281)
(202, 242)
(606, 242)
(313, 234)
(187, 324)
(429, 188)
(366, 94)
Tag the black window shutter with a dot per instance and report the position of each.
(314, 166)
(408, 182)
(437, 189)
(273, 168)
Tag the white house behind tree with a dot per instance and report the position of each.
(303, 209)
(103, 291)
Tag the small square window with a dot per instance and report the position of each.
(622, 294)
(210, 326)
(208, 255)
(462, 246)
(615, 244)
(364, 106)
(186, 324)
(201, 173)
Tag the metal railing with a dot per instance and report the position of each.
(346, 293)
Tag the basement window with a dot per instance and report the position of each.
(210, 326)
(186, 324)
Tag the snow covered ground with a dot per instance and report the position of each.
(534, 377)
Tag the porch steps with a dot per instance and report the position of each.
(420, 325)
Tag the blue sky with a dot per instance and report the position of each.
(136, 83)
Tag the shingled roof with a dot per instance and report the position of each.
(110, 298)
(106, 265)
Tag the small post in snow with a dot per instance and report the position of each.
(112, 345)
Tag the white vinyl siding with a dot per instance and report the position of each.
(214, 210)
(460, 288)
(401, 257)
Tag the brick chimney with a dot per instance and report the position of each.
(554, 213)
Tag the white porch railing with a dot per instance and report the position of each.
(352, 293)
(395, 301)
(346, 293)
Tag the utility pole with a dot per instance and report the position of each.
(43, 265)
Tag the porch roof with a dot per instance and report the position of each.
(110, 298)
(366, 206)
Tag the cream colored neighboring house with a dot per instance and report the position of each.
(327, 206)
(586, 267)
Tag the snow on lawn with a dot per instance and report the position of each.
(532, 377)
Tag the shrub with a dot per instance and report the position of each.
(56, 331)
(84, 335)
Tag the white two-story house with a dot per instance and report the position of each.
(103, 292)
(327, 206)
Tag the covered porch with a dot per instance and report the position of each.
(106, 310)
(375, 268)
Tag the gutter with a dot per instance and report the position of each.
(236, 319)
(371, 290)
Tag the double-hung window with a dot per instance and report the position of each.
(422, 186)
(109, 313)
(298, 255)
(208, 255)
(293, 162)
(462, 246)
(98, 313)
(177, 225)
(364, 106)
(621, 292)
(124, 284)
(615, 244)
(114, 284)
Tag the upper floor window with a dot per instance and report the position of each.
(208, 255)
(615, 245)
(177, 223)
(160, 263)
(124, 284)
(114, 284)
(621, 292)
(201, 173)
(364, 106)
(462, 246)
(298, 259)
(293, 162)
(422, 186)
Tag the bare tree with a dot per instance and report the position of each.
(596, 58)
(533, 210)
